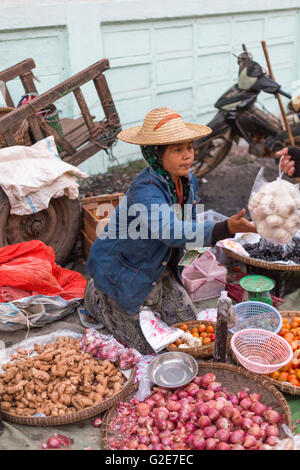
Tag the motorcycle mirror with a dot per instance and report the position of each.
(244, 47)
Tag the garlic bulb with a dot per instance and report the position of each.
(275, 210)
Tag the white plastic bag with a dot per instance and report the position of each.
(158, 334)
(292, 442)
(275, 208)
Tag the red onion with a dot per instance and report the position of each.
(272, 416)
(53, 443)
(189, 440)
(264, 447)
(272, 431)
(207, 379)
(184, 413)
(211, 403)
(193, 416)
(221, 394)
(199, 433)
(132, 444)
(161, 424)
(173, 405)
(97, 422)
(255, 431)
(237, 447)
(222, 435)
(208, 395)
(161, 413)
(211, 443)
(173, 416)
(166, 441)
(237, 421)
(203, 421)
(249, 441)
(156, 396)
(197, 380)
(257, 407)
(182, 394)
(144, 440)
(255, 396)
(246, 423)
(257, 419)
(227, 411)
(154, 439)
(222, 423)
(233, 399)
(220, 403)
(214, 386)
(157, 447)
(155, 430)
(142, 447)
(143, 409)
(43, 446)
(163, 391)
(272, 441)
(199, 443)
(190, 427)
(170, 425)
(209, 431)
(241, 395)
(222, 446)
(202, 409)
(150, 403)
(213, 414)
(237, 437)
(64, 440)
(245, 403)
(173, 397)
(142, 431)
(199, 394)
(192, 389)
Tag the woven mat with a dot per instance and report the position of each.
(84, 434)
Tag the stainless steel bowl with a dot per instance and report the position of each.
(172, 369)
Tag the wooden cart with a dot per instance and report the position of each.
(80, 138)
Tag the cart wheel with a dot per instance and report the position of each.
(58, 226)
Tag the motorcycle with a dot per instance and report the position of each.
(238, 117)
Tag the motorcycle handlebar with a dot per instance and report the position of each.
(283, 93)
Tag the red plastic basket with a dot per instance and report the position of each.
(261, 351)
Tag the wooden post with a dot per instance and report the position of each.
(287, 126)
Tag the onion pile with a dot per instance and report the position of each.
(201, 416)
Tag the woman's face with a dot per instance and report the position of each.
(178, 158)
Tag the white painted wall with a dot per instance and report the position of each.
(161, 52)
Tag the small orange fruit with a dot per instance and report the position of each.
(206, 341)
(210, 329)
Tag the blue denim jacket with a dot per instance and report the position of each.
(126, 269)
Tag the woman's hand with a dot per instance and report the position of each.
(237, 223)
(286, 165)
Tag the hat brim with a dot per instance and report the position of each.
(192, 132)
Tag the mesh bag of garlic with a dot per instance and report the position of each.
(275, 209)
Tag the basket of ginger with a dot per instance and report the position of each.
(197, 338)
(287, 379)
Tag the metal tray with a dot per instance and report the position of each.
(172, 369)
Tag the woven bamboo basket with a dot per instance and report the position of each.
(235, 379)
(201, 352)
(76, 417)
(262, 264)
(19, 131)
(285, 387)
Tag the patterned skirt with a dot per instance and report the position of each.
(168, 298)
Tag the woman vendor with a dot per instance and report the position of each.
(129, 272)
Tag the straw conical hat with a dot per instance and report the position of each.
(163, 126)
